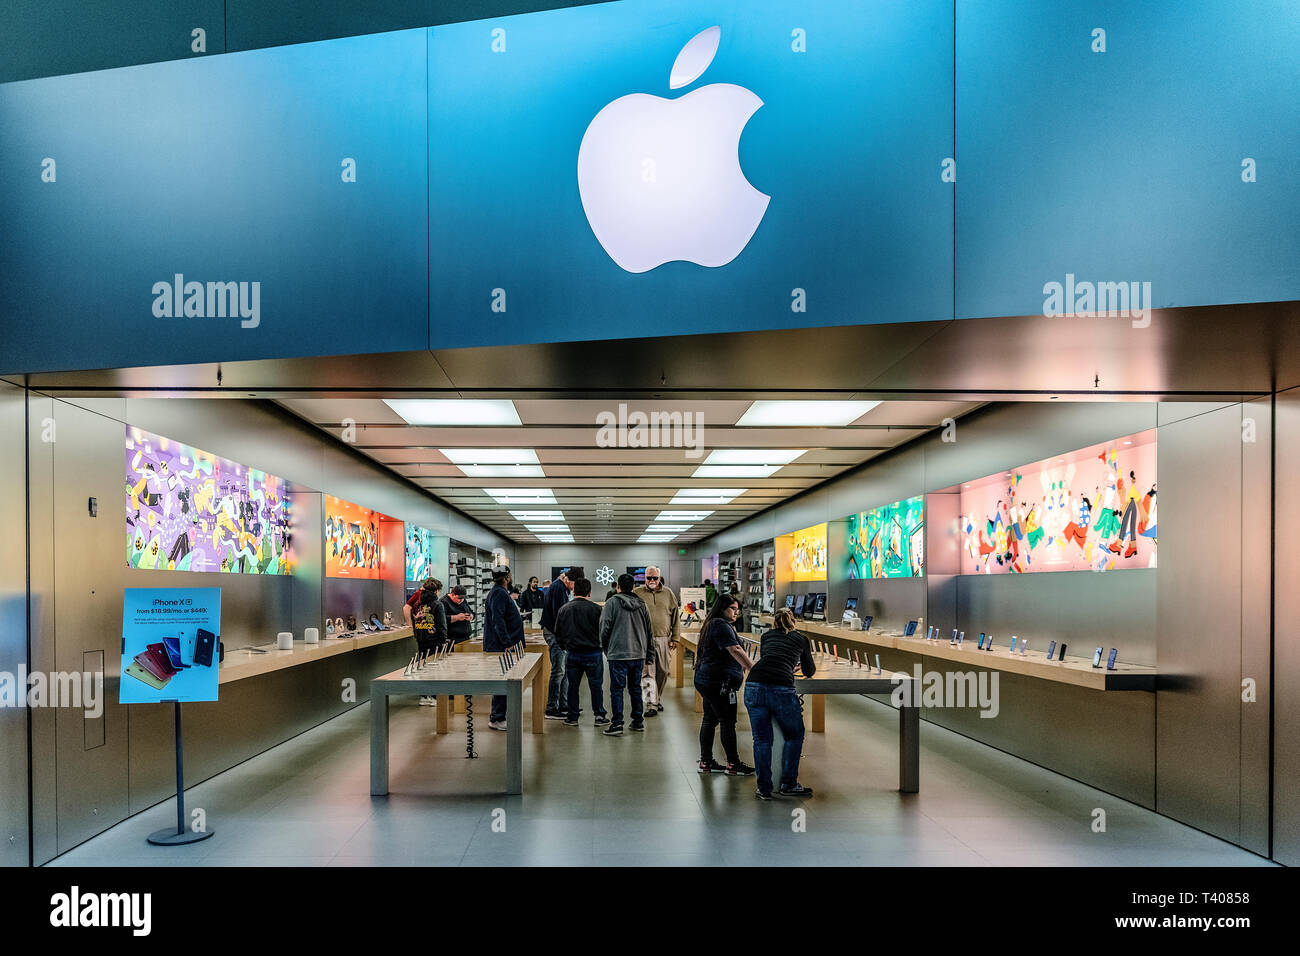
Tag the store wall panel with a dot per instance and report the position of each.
(1286, 643)
(13, 625)
(1202, 86)
(224, 169)
(1256, 619)
(41, 555)
(1198, 698)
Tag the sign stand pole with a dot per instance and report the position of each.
(180, 836)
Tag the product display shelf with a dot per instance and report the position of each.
(244, 663)
(1077, 671)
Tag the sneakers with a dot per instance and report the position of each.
(570, 723)
(651, 711)
(795, 790)
(497, 724)
(601, 719)
(427, 701)
(711, 766)
(637, 728)
(659, 708)
(614, 730)
(739, 770)
(556, 716)
(763, 794)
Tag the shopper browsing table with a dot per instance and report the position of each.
(426, 616)
(458, 614)
(577, 629)
(720, 666)
(532, 598)
(664, 611)
(625, 638)
(557, 693)
(503, 628)
(770, 695)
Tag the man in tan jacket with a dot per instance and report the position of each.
(665, 613)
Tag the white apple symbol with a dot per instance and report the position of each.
(660, 179)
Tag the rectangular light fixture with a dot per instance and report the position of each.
(754, 456)
(537, 515)
(490, 456)
(707, 496)
(521, 496)
(502, 471)
(735, 471)
(683, 515)
(775, 414)
(547, 528)
(455, 411)
(555, 538)
(661, 528)
(655, 538)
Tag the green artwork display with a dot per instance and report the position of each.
(889, 541)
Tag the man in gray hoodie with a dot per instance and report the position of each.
(625, 636)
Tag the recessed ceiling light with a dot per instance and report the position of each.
(655, 538)
(547, 528)
(773, 414)
(661, 528)
(754, 456)
(555, 538)
(502, 471)
(735, 471)
(537, 515)
(683, 515)
(521, 496)
(490, 456)
(455, 411)
(710, 496)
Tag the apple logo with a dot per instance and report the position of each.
(660, 179)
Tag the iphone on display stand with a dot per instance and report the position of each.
(878, 670)
(1110, 661)
(1062, 657)
(961, 638)
(1024, 648)
(1013, 643)
(1096, 657)
(980, 645)
(1051, 649)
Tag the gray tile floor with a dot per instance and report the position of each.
(638, 800)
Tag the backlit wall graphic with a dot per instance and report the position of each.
(420, 554)
(804, 553)
(1091, 509)
(352, 540)
(188, 510)
(888, 542)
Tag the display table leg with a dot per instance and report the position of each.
(515, 737)
(539, 698)
(441, 720)
(378, 743)
(909, 749)
(819, 713)
(678, 670)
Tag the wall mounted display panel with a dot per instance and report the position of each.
(352, 543)
(1090, 509)
(1061, 132)
(189, 510)
(887, 542)
(802, 554)
(204, 209)
(577, 165)
(426, 554)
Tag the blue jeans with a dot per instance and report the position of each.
(498, 707)
(593, 665)
(765, 703)
(625, 674)
(557, 691)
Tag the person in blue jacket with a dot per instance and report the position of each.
(557, 691)
(503, 628)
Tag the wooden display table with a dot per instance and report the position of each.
(459, 674)
(1076, 671)
(243, 663)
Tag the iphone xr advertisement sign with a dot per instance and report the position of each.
(685, 164)
(170, 644)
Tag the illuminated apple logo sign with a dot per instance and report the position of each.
(660, 179)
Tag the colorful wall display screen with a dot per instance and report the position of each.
(352, 540)
(889, 541)
(805, 553)
(1091, 509)
(188, 510)
(421, 556)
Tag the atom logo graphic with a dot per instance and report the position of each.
(605, 576)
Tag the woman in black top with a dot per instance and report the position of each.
(428, 618)
(720, 666)
(770, 695)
